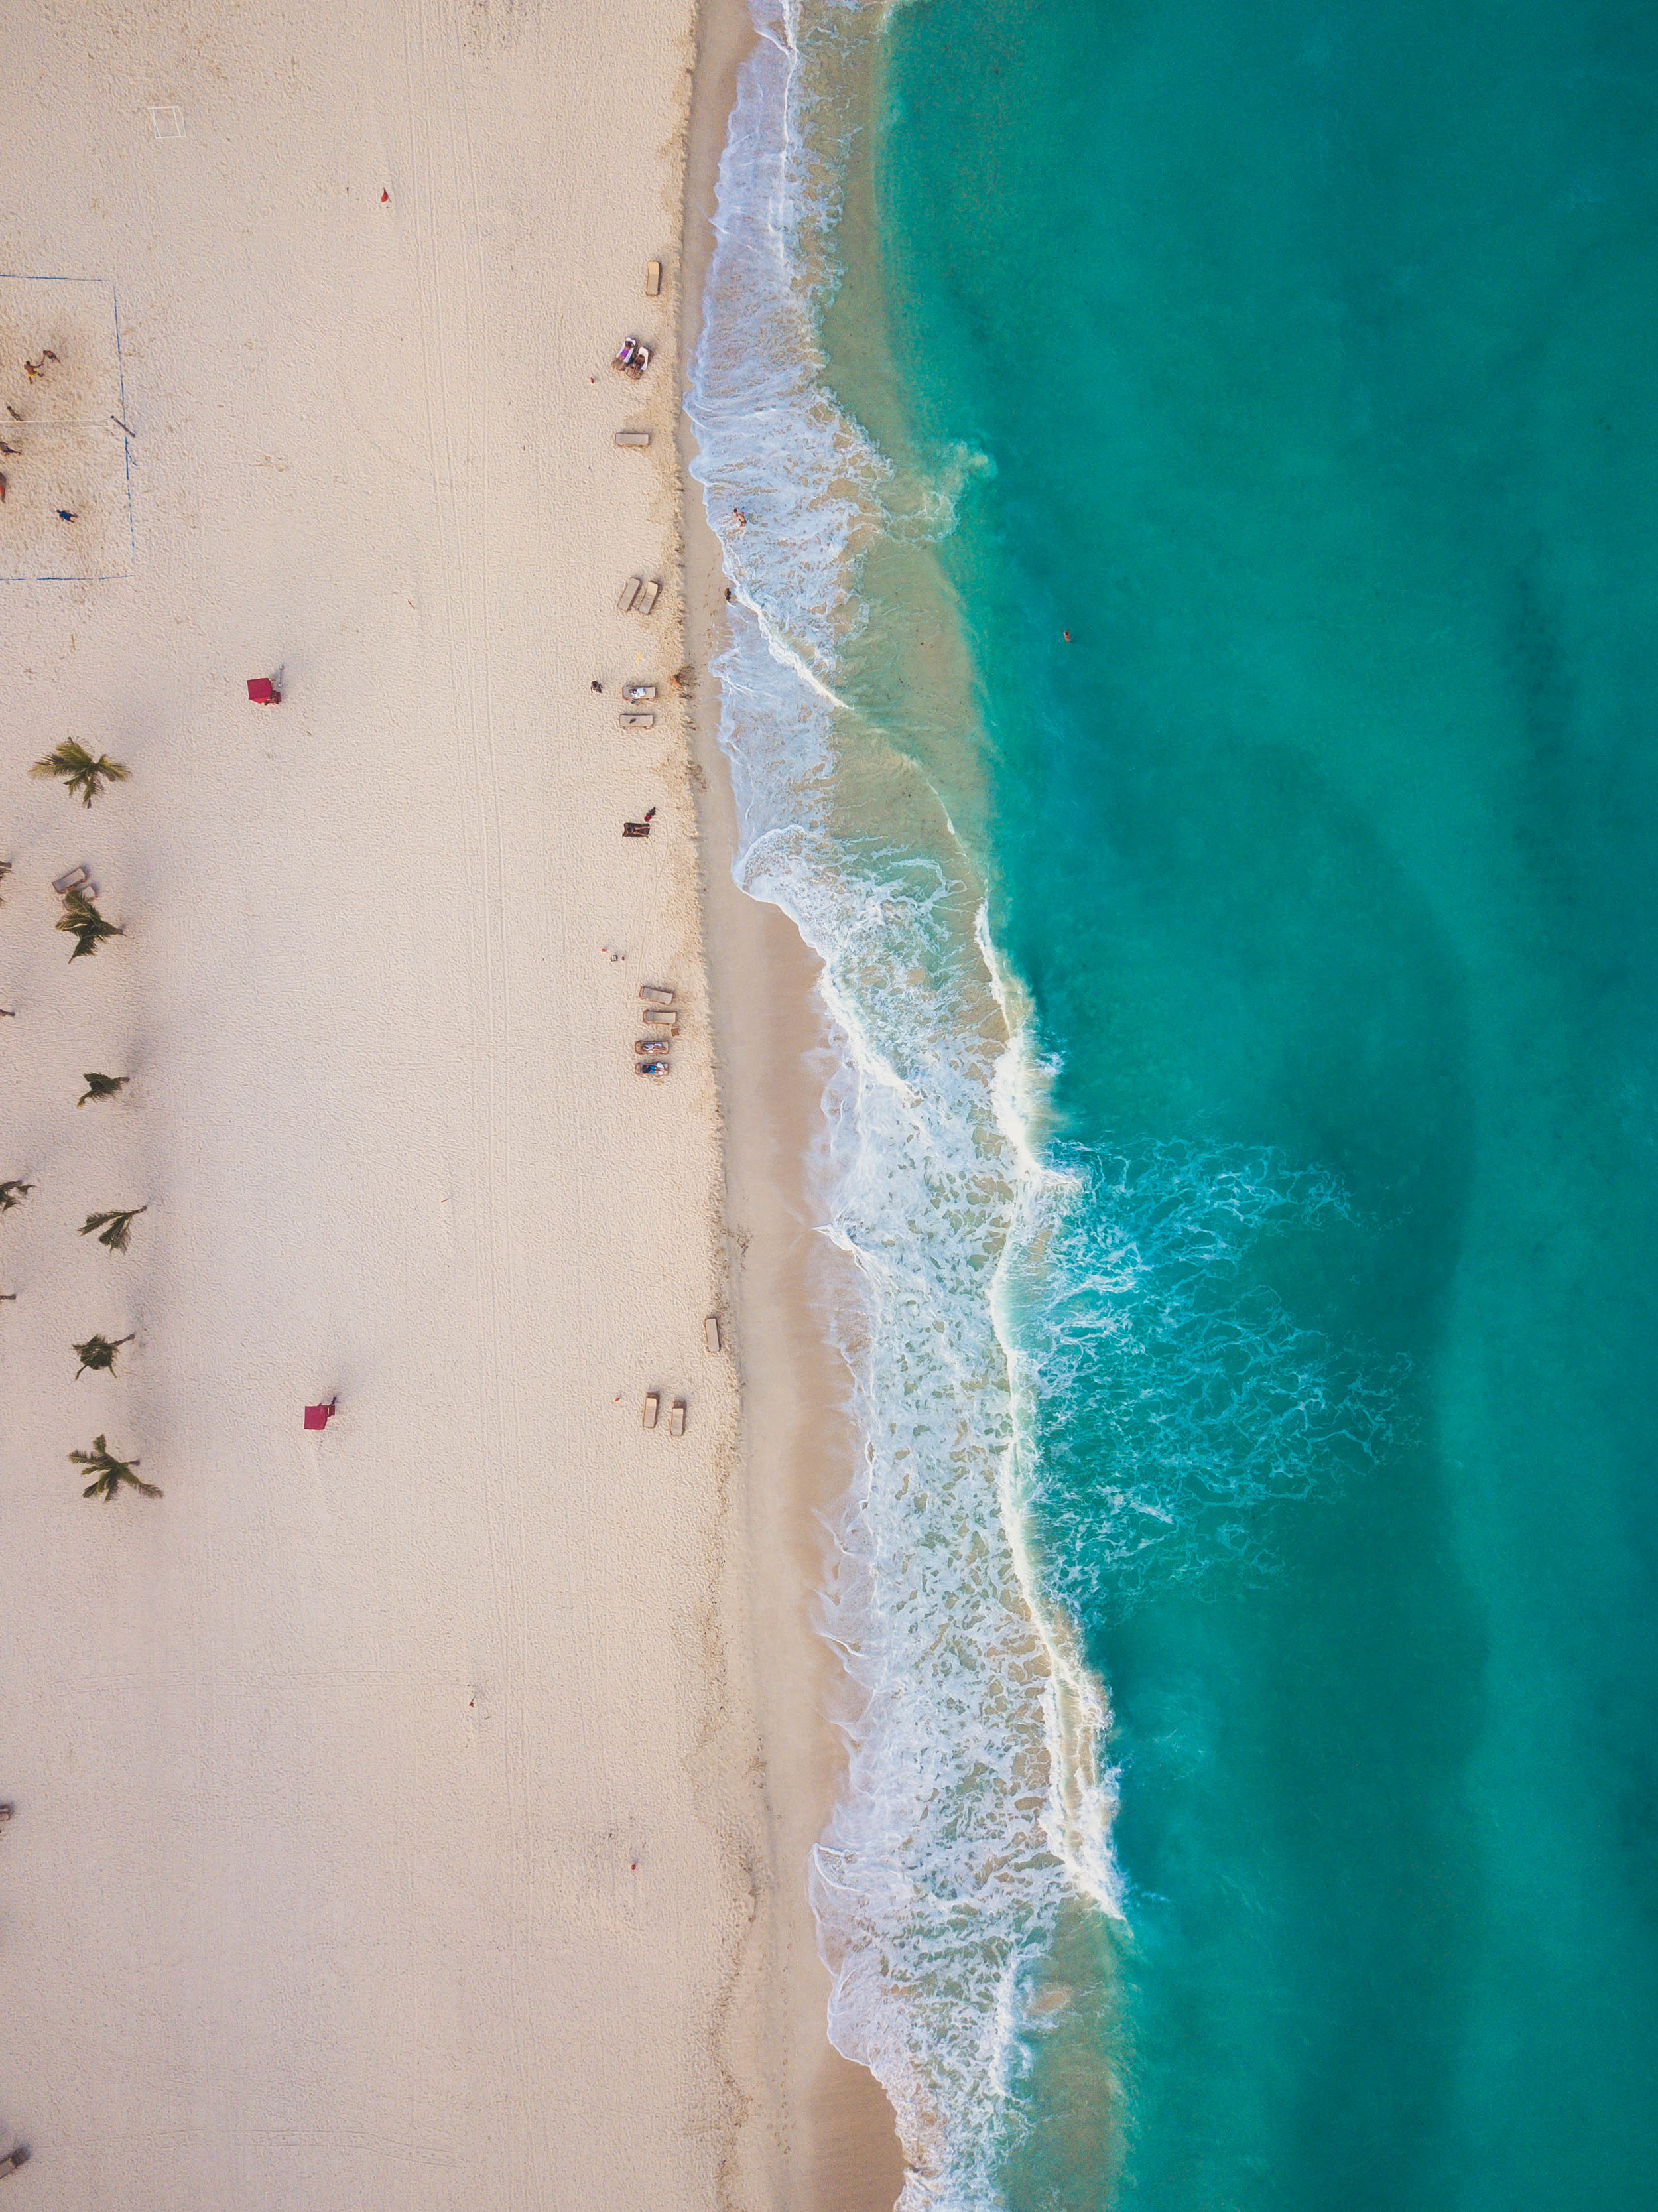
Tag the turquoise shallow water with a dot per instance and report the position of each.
(1312, 347)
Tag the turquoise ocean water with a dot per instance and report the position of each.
(1245, 1125)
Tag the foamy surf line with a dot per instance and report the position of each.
(973, 1809)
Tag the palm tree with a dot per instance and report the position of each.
(13, 1194)
(85, 924)
(82, 775)
(117, 1227)
(110, 1473)
(102, 1086)
(99, 1352)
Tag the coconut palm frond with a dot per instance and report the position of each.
(117, 1227)
(98, 1353)
(82, 776)
(110, 1473)
(13, 1194)
(85, 924)
(102, 1086)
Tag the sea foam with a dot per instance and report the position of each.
(973, 1809)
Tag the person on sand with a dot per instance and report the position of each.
(63, 515)
(595, 685)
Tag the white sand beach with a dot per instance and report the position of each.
(390, 1817)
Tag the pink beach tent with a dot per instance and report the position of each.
(263, 693)
(318, 1416)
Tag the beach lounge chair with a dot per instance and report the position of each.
(711, 1332)
(13, 2160)
(677, 1418)
(630, 592)
(652, 279)
(6, 1812)
(645, 1047)
(77, 879)
(656, 994)
(635, 829)
(652, 1402)
(647, 599)
(634, 692)
(651, 1067)
(637, 721)
(633, 437)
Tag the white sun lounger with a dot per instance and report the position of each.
(677, 1418)
(657, 994)
(633, 437)
(76, 879)
(634, 692)
(652, 279)
(652, 1402)
(647, 599)
(637, 721)
(630, 592)
(711, 1332)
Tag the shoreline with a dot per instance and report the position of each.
(831, 2143)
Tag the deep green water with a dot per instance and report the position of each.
(1316, 348)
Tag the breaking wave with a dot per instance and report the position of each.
(999, 1292)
